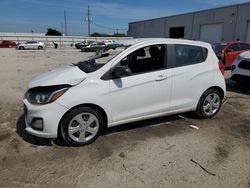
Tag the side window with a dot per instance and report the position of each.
(244, 47)
(147, 59)
(188, 55)
(234, 47)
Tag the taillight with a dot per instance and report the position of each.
(222, 67)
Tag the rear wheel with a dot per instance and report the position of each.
(209, 104)
(21, 48)
(81, 126)
(40, 47)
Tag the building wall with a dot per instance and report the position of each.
(234, 20)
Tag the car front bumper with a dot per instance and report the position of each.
(241, 78)
(49, 116)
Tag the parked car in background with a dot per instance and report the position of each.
(228, 51)
(30, 45)
(241, 69)
(152, 78)
(109, 41)
(94, 47)
(83, 44)
(113, 46)
(221, 67)
(7, 44)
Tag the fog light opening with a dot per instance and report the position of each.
(37, 124)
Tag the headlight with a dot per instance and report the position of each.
(45, 95)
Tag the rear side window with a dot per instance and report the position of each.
(234, 47)
(189, 55)
(244, 47)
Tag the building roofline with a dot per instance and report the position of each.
(195, 12)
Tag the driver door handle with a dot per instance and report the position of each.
(161, 77)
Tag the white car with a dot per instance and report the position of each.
(108, 42)
(241, 69)
(31, 45)
(151, 78)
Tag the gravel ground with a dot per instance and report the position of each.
(153, 153)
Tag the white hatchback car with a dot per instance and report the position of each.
(241, 69)
(31, 45)
(151, 78)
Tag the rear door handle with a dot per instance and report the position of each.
(161, 77)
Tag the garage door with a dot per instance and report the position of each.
(211, 33)
(248, 32)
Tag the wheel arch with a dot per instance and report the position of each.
(91, 105)
(218, 88)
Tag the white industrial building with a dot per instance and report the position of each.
(225, 23)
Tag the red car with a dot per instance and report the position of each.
(228, 51)
(7, 44)
(222, 67)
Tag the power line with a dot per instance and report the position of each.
(109, 28)
(89, 20)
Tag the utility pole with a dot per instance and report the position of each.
(62, 28)
(65, 23)
(88, 19)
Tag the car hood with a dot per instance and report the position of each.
(71, 75)
(245, 55)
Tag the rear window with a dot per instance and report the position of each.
(234, 47)
(189, 55)
(217, 47)
(244, 46)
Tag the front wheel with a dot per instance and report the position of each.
(209, 104)
(40, 47)
(81, 126)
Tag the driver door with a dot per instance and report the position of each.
(231, 53)
(143, 93)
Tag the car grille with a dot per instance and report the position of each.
(245, 64)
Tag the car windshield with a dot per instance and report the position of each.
(219, 47)
(96, 62)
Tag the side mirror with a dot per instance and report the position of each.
(229, 50)
(121, 71)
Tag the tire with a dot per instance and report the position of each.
(82, 132)
(40, 47)
(209, 104)
(243, 84)
(21, 48)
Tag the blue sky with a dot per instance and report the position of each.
(107, 15)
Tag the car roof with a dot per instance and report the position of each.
(167, 40)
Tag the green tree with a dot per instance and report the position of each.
(96, 34)
(53, 32)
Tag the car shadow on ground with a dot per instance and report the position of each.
(142, 124)
(233, 87)
(20, 129)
